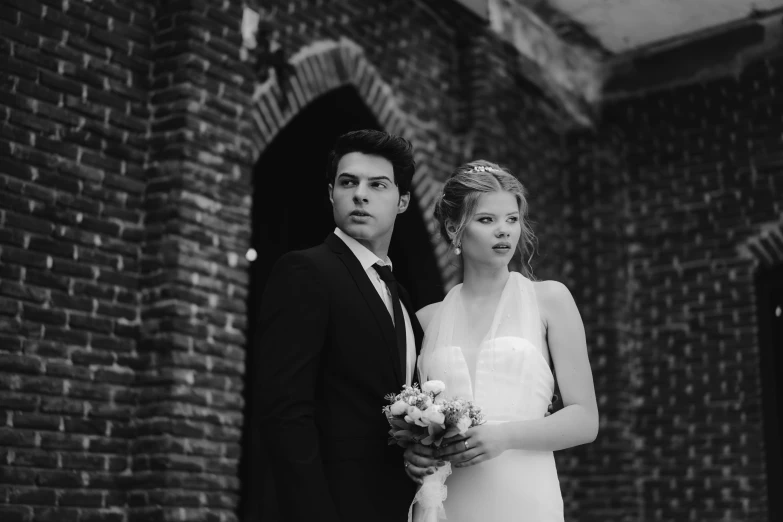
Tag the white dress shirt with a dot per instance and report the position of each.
(367, 259)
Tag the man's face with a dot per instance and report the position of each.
(365, 199)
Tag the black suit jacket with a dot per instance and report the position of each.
(328, 358)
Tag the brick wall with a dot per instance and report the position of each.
(73, 150)
(665, 194)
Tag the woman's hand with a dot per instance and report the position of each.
(479, 444)
(420, 461)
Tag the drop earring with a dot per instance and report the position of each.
(457, 249)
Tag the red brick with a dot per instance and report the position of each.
(16, 67)
(10, 437)
(23, 292)
(62, 441)
(110, 445)
(102, 515)
(69, 371)
(84, 498)
(17, 476)
(47, 316)
(19, 402)
(18, 34)
(47, 279)
(94, 324)
(77, 461)
(16, 513)
(16, 168)
(50, 246)
(70, 337)
(20, 364)
(45, 385)
(62, 405)
(37, 421)
(58, 479)
(58, 514)
(9, 325)
(30, 87)
(11, 343)
(14, 238)
(72, 268)
(56, 82)
(28, 223)
(39, 497)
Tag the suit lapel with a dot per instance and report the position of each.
(418, 332)
(373, 300)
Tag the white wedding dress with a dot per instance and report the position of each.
(512, 382)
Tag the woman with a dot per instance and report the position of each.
(494, 339)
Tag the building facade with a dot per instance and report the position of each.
(146, 147)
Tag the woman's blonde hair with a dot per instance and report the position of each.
(457, 205)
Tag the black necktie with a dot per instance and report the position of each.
(399, 321)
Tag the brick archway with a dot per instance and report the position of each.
(765, 247)
(763, 253)
(319, 68)
(327, 65)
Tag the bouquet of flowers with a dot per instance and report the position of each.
(422, 416)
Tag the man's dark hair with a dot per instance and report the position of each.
(396, 149)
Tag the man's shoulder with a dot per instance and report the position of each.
(313, 252)
(319, 259)
(313, 255)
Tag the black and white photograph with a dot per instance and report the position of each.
(391, 261)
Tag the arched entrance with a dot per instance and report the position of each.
(769, 289)
(291, 211)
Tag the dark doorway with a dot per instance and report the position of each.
(291, 211)
(769, 288)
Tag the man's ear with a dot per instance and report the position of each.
(331, 193)
(405, 200)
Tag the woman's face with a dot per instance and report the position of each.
(492, 234)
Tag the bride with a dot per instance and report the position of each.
(497, 339)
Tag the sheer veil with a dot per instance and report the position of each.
(511, 357)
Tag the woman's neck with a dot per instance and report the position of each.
(484, 282)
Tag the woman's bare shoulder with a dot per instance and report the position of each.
(553, 298)
(551, 291)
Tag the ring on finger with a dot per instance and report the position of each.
(407, 464)
(467, 446)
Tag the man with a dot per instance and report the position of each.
(337, 333)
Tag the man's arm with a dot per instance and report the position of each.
(292, 330)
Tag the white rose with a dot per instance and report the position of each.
(435, 387)
(433, 416)
(399, 407)
(413, 416)
(463, 424)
